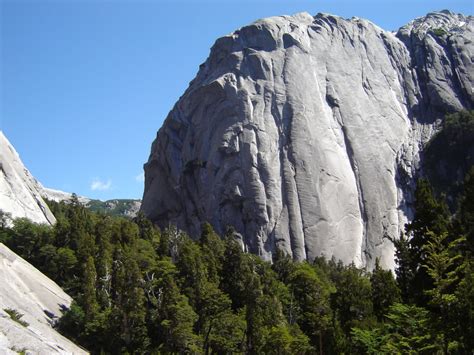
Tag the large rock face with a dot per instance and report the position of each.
(26, 290)
(305, 133)
(20, 193)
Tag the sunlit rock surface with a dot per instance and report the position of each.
(20, 193)
(27, 291)
(305, 133)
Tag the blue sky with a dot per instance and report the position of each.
(85, 85)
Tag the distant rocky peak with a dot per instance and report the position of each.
(440, 23)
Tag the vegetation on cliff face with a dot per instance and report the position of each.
(139, 290)
(450, 154)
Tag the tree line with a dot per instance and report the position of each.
(139, 290)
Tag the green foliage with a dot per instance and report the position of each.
(431, 218)
(284, 340)
(72, 322)
(384, 290)
(212, 248)
(311, 293)
(21, 351)
(449, 155)
(465, 217)
(435, 268)
(143, 291)
(352, 300)
(406, 331)
(88, 299)
(117, 207)
(463, 313)
(16, 316)
(442, 265)
(176, 320)
(440, 32)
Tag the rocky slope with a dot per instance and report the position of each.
(20, 193)
(39, 300)
(305, 133)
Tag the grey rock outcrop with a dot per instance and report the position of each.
(20, 193)
(305, 133)
(39, 300)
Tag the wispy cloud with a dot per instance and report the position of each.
(140, 177)
(99, 185)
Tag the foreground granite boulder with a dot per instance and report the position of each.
(305, 133)
(38, 301)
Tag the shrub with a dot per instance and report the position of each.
(16, 316)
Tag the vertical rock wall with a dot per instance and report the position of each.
(305, 133)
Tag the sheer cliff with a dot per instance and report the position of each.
(306, 133)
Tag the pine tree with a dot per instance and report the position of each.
(384, 290)
(129, 304)
(404, 270)
(431, 215)
(234, 273)
(89, 301)
(213, 248)
(67, 262)
(312, 295)
(406, 331)
(443, 266)
(103, 261)
(464, 313)
(466, 212)
(176, 321)
(192, 271)
(215, 308)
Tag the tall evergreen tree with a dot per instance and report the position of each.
(88, 299)
(465, 216)
(234, 272)
(312, 295)
(213, 248)
(129, 310)
(443, 266)
(431, 215)
(176, 321)
(404, 269)
(384, 290)
(103, 261)
(352, 300)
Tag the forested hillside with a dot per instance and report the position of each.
(139, 290)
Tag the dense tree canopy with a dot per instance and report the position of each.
(140, 290)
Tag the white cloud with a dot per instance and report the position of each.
(97, 184)
(140, 177)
